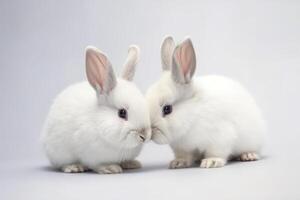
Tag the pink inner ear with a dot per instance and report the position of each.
(96, 68)
(184, 57)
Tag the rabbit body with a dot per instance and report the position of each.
(72, 131)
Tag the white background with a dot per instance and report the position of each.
(42, 51)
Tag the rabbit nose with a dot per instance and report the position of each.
(143, 134)
(142, 138)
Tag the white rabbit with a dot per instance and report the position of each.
(208, 119)
(100, 125)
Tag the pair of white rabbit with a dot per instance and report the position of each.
(102, 125)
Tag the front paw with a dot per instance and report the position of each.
(179, 163)
(248, 157)
(74, 168)
(131, 164)
(212, 162)
(109, 169)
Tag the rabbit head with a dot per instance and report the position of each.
(122, 117)
(168, 98)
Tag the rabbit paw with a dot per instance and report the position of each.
(248, 157)
(73, 168)
(212, 162)
(131, 164)
(109, 169)
(179, 163)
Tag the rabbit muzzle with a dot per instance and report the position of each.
(158, 136)
(143, 135)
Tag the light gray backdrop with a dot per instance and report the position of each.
(255, 42)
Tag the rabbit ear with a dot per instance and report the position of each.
(166, 51)
(130, 63)
(184, 62)
(99, 71)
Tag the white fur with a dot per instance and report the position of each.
(83, 127)
(213, 117)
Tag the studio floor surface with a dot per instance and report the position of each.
(276, 176)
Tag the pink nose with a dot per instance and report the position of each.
(143, 138)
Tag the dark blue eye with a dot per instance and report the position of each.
(122, 113)
(167, 109)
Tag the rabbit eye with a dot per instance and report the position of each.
(122, 113)
(167, 109)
